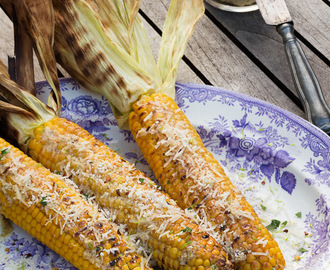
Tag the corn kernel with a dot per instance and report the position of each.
(174, 252)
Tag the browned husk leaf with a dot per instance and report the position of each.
(38, 18)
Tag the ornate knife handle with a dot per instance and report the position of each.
(305, 80)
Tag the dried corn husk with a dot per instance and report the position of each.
(16, 103)
(37, 17)
(104, 46)
(24, 67)
(5, 226)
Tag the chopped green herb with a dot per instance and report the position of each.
(98, 248)
(4, 152)
(90, 245)
(141, 180)
(191, 207)
(58, 172)
(138, 221)
(186, 244)
(302, 250)
(298, 215)
(43, 201)
(86, 196)
(274, 224)
(284, 223)
(187, 229)
(263, 207)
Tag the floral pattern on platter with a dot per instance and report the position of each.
(257, 140)
(252, 148)
(268, 136)
(24, 252)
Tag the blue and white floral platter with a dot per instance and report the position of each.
(279, 161)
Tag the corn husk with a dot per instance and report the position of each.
(20, 111)
(5, 226)
(103, 45)
(37, 17)
(24, 66)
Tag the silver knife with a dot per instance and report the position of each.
(275, 12)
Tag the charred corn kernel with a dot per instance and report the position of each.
(75, 225)
(127, 193)
(195, 180)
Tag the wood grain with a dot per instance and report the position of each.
(311, 19)
(265, 44)
(222, 62)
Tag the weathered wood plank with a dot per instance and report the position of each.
(7, 44)
(312, 20)
(266, 45)
(220, 60)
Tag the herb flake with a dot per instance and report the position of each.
(43, 201)
(273, 225)
(302, 250)
(186, 244)
(4, 152)
(187, 229)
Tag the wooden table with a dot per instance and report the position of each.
(238, 51)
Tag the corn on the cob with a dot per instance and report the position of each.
(175, 240)
(188, 172)
(55, 213)
(131, 198)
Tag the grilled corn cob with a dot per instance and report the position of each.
(131, 198)
(188, 172)
(53, 212)
(125, 193)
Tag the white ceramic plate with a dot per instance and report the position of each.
(230, 8)
(279, 161)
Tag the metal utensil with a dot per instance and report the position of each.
(275, 12)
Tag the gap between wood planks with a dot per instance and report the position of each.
(327, 2)
(312, 48)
